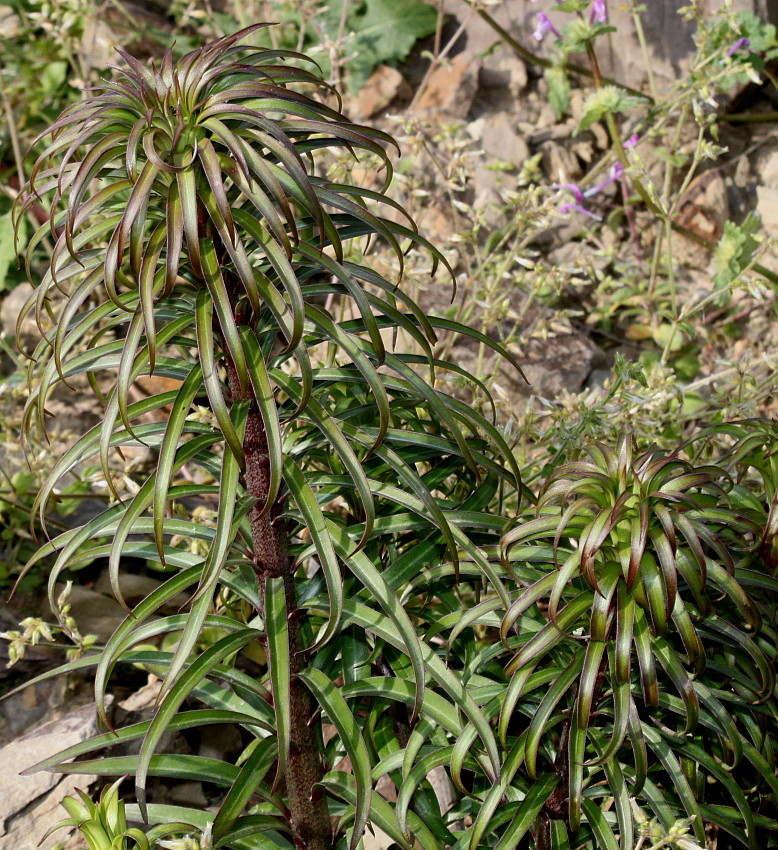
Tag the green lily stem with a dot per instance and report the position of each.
(270, 551)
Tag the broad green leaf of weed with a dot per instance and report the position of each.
(558, 90)
(385, 31)
(734, 252)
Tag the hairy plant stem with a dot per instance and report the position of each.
(270, 549)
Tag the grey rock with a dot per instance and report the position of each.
(10, 310)
(144, 699)
(10, 22)
(220, 741)
(767, 207)
(555, 365)
(502, 81)
(768, 170)
(503, 70)
(450, 89)
(560, 164)
(499, 138)
(135, 588)
(486, 195)
(598, 378)
(670, 41)
(188, 794)
(30, 805)
(94, 613)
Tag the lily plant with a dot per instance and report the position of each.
(331, 500)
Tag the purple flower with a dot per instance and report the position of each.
(740, 44)
(543, 26)
(616, 170)
(566, 208)
(631, 141)
(615, 173)
(599, 13)
(571, 187)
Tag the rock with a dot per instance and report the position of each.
(85, 510)
(555, 365)
(376, 839)
(480, 36)
(598, 379)
(94, 613)
(503, 69)
(450, 89)
(670, 37)
(10, 23)
(443, 788)
(188, 794)
(143, 699)
(501, 80)
(220, 742)
(382, 87)
(584, 151)
(141, 706)
(98, 43)
(30, 805)
(560, 164)
(386, 789)
(22, 710)
(437, 222)
(498, 136)
(486, 196)
(546, 115)
(135, 588)
(703, 209)
(768, 170)
(767, 207)
(10, 310)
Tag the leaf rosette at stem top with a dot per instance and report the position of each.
(165, 176)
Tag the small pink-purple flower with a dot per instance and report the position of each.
(572, 187)
(569, 207)
(544, 25)
(577, 205)
(616, 170)
(740, 44)
(598, 13)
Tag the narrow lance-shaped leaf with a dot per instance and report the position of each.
(213, 386)
(217, 554)
(316, 524)
(176, 695)
(330, 699)
(277, 630)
